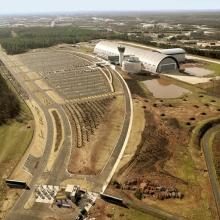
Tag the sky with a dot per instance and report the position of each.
(53, 6)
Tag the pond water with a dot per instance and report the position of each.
(200, 72)
(161, 89)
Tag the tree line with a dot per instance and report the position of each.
(9, 103)
(42, 37)
(22, 39)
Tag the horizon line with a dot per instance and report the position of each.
(111, 11)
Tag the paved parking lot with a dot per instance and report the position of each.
(70, 75)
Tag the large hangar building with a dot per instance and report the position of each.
(177, 53)
(151, 61)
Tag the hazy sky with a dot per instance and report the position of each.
(33, 6)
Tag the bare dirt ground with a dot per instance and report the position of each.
(91, 158)
(164, 156)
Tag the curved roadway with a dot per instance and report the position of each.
(58, 172)
(206, 144)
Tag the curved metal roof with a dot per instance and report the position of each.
(150, 59)
(172, 51)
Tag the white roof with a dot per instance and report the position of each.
(172, 51)
(151, 58)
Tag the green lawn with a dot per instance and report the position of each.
(117, 212)
(214, 67)
(15, 138)
(216, 153)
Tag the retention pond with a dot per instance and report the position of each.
(161, 89)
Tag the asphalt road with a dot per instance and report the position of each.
(108, 171)
(39, 173)
(206, 144)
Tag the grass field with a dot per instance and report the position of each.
(214, 67)
(107, 211)
(216, 154)
(15, 137)
(127, 214)
(185, 163)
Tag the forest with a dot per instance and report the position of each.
(21, 39)
(9, 103)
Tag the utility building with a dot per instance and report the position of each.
(153, 62)
(132, 65)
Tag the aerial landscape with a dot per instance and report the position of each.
(110, 110)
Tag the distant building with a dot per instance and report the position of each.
(214, 45)
(148, 25)
(154, 62)
(195, 34)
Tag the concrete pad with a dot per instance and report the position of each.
(189, 79)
